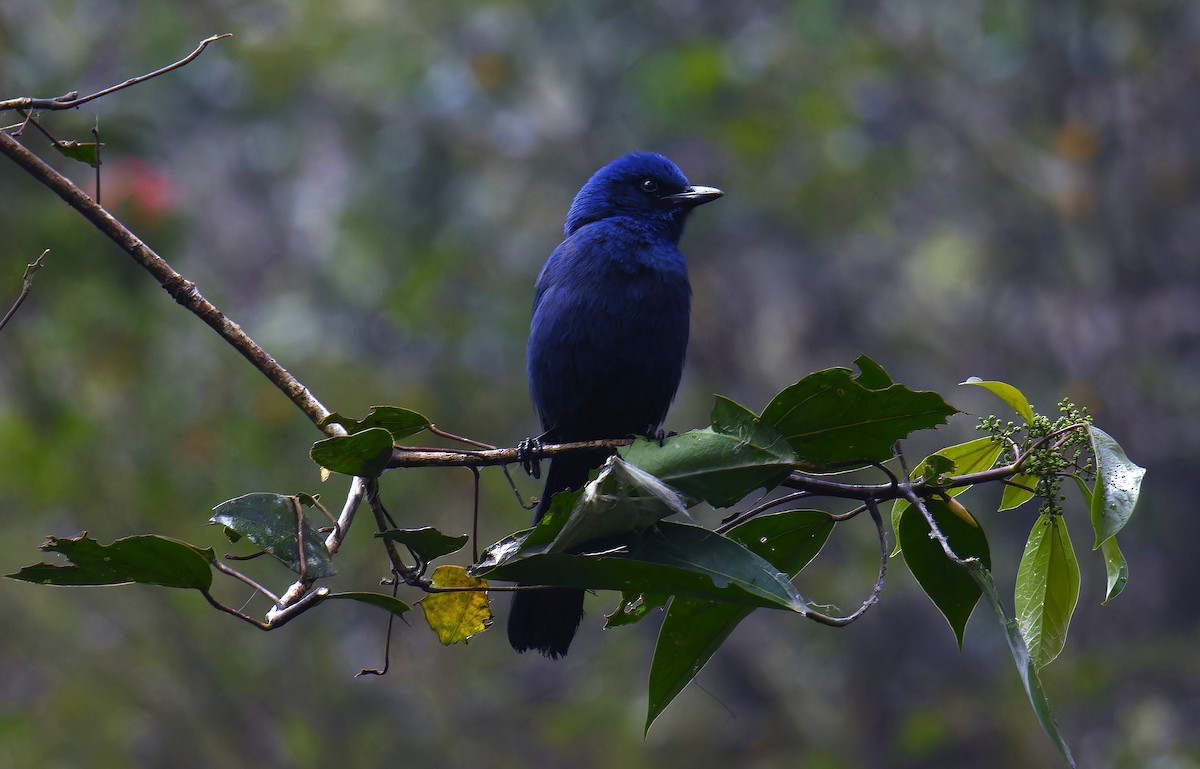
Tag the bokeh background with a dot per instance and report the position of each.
(1004, 189)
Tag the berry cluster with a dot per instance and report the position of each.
(1049, 451)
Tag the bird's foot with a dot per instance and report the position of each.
(528, 454)
(658, 434)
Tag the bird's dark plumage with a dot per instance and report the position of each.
(607, 342)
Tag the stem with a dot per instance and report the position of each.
(873, 598)
(26, 287)
(73, 99)
(221, 567)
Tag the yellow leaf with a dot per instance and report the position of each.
(457, 615)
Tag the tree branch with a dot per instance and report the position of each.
(404, 456)
(73, 99)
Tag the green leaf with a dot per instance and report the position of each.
(1014, 496)
(88, 152)
(871, 374)
(1047, 588)
(1115, 567)
(1118, 483)
(970, 457)
(364, 453)
(426, 542)
(670, 558)
(400, 422)
(1026, 667)
(1015, 399)
(716, 467)
(936, 468)
(276, 523)
(539, 539)
(622, 499)
(951, 588)
(830, 418)
(378, 600)
(732, 418)
(146, 559)
(694, 629)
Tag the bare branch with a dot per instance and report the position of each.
(873, 598)
(73, 99)
(26, 287)
(246, 580)
(405, 456)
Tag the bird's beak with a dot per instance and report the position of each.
(694, 196)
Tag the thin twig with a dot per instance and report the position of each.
(461, 439)
(299, 511)
(406, 456)
(475, 519)
(934, 531)
(73, 99)
(96, 136)
(234, 612)
(737, 519)
(387, 638)
(224, 569)
(873, 598)
(26, 287)
(410, 575)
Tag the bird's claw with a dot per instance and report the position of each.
(658, 435)
(528, 454)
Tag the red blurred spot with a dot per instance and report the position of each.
(149, 191)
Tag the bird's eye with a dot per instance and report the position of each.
(649, 185)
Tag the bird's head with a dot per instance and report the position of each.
(641, 185)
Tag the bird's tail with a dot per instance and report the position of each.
(546, 619)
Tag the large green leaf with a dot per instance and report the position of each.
(426, 542)
(831, 418)
(364, 453)
(671, 558)
(1026, 666)
(1047, 588)
(717, 467)
(623, 498)
(952, 589)
(1015, 399)
(276, 524)
(1118, 483)
(400, 422)
(145, 559)
(694, 629)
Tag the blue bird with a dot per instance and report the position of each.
(606, 344)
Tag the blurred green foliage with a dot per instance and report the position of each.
(1007, 189)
